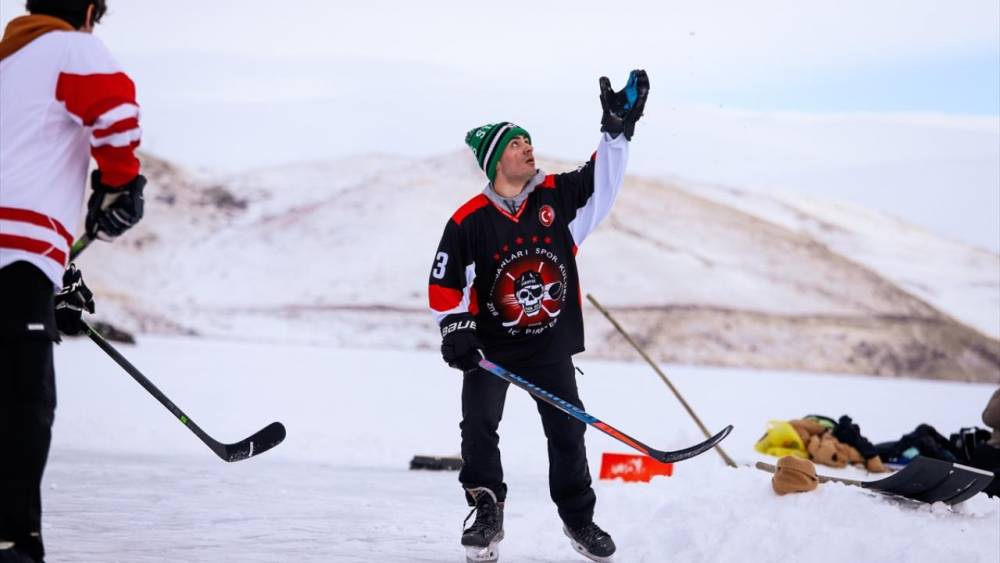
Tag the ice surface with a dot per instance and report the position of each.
(127, 483)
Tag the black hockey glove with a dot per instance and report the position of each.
(71, 301)
(623, 108)
(112, 211)
(460, 345)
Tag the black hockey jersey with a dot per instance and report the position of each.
(515, 270)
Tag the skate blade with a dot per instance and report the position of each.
(582, 551)
(479, 554)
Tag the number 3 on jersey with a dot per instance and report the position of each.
(440, 262)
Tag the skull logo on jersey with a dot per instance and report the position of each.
(529, 294)
(530, 291)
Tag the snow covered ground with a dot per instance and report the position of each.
(127, 483)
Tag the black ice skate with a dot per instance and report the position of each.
(592, 542)
(481, 538)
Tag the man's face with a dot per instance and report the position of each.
(517, 163)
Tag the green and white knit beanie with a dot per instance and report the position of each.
(489, 141)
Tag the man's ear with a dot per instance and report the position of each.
(88, 20)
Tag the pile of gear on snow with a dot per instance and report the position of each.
(839, 443)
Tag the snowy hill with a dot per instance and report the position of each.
(337, 252)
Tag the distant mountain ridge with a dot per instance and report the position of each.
(338, 252)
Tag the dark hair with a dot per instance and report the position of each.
(72, 11)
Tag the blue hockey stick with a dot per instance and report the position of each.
(579, 414)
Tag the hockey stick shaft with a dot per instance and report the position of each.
(725, 457)
(263, 440)
(563, 405)
(148, 386)
(822, 478)
(581, 415)
(78, 246)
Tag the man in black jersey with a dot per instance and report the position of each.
(504, 283)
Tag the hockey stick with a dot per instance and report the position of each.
(265, 439)
(579, 414)
(923, 480)
(763, 466)
(725, 457)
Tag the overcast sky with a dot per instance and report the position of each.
(893, 105)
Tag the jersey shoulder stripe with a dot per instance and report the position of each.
(469, 208)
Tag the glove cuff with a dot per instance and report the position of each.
(135, 184)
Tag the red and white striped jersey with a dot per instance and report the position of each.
(63, 99)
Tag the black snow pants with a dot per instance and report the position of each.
(27, 402)
(483, 397)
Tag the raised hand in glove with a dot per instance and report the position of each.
(460, 345)
(71, 301)
(112, 211)
(623, 108)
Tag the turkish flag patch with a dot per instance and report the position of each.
(546, 215)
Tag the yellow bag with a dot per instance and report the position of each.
(780, 440)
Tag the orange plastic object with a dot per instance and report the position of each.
(634, 468)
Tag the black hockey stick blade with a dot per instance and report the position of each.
(933, 480)
(977, 480)
(687, 453)
(265, 439)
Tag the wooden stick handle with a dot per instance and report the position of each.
(725, 457)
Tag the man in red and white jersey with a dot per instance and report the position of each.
(63, 99)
